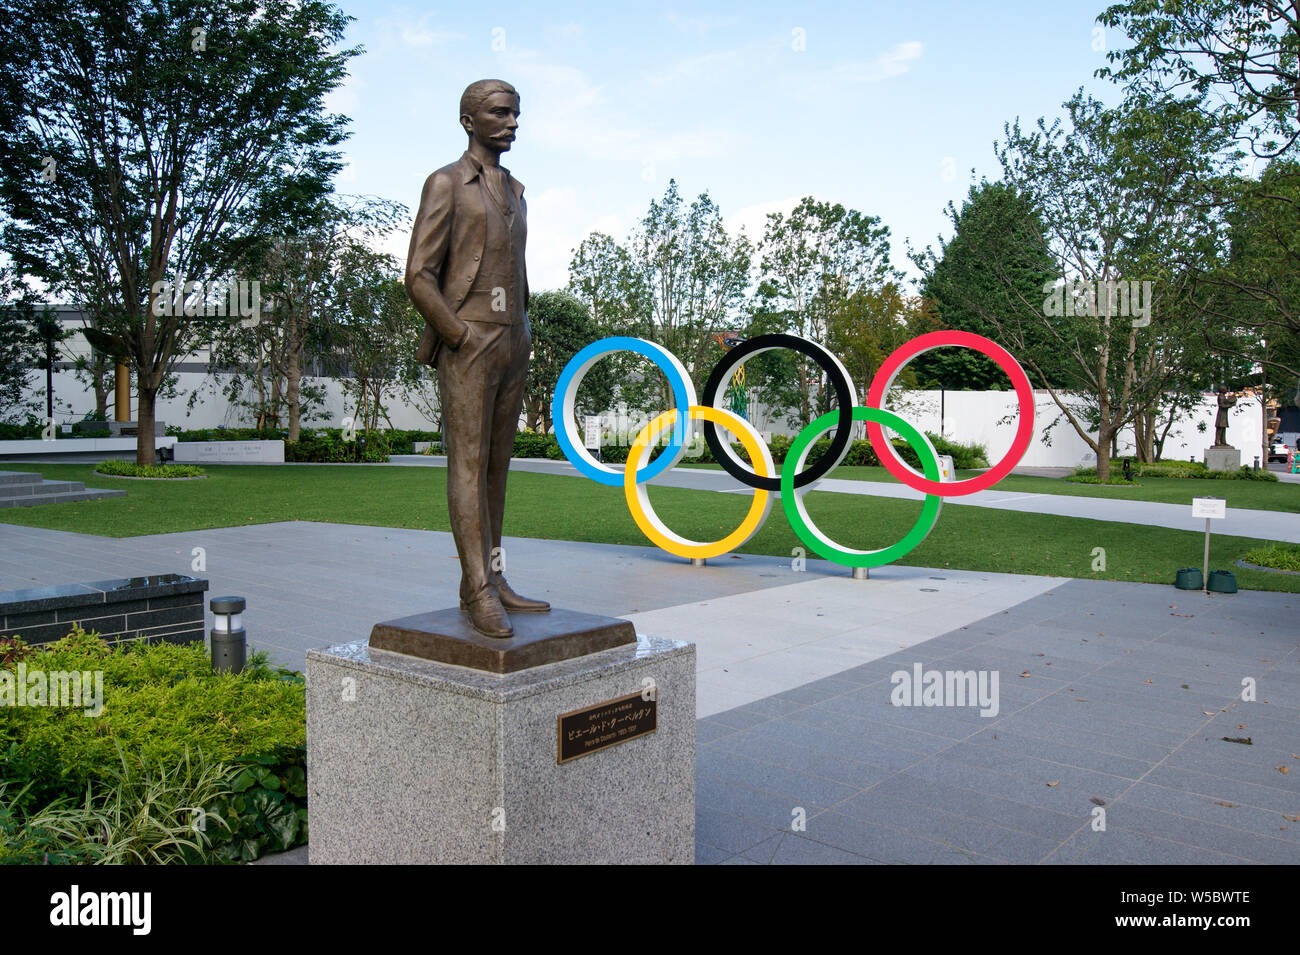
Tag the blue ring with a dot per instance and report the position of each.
(683, 395)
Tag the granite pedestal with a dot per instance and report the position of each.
(1223, 459)
(416, 761)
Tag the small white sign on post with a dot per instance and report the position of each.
(1209, 507)
(591, 433)
(946, 471)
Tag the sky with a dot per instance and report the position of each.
(891, 109)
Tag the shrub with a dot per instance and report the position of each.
(159, 700)
(1277, 556)
(1175, 469)
(115, 468)
(326, 445)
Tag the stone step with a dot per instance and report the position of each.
(59, 497)
(18, 477)
(41, 488)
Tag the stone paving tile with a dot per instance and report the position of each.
(1045, 771)
(1059, 752)
(1117, 846)
(1207, 835)
(797, 786)
(1222, 787)
(795, 849)
(985, 807)
(947, 828)
(723, 831)
(1220, 812)
(1031, 725)
(806, 735)
(890, 846)
(806, 759)
(710, 855)
(755, 805)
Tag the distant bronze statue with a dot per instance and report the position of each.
(465, 274)
(1226, 401)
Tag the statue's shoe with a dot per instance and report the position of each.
(515, 603)
(487, 616)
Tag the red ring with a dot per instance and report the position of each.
(990, 349)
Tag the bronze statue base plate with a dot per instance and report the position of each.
(446, 636)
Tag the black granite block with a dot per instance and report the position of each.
(14, 621)
(156, 618)
(36, 599)
(121, 609)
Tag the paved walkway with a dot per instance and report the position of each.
(1240, 522)
(1110, 697)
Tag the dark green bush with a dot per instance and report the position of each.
(326, 445)
(161, 701)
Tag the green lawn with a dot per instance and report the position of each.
(1254, 495)
(573, 508)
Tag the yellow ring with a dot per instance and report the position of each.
(638, 499)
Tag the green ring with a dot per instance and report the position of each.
(810, 534)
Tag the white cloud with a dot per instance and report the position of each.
(421, 34)
(558, 220)
(893, 62)
(563, 31)
(563, 111)
(753, 218)
(698, 24)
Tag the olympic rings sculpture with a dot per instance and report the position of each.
(792, 481)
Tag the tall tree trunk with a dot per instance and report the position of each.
(293, 380)
(1104, 437)
(98, 372)
(144, 446)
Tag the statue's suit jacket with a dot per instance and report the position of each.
(446, 249)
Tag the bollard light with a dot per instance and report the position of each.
(1257, 462)
(229, 641)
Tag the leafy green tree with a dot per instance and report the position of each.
(814, 261)
(151, 140)
(677, 279)
(561, 327)
(1114, 193)
(960, 275)
(370, 326)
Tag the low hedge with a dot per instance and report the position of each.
(1176, 469)
(112, 467)
(161, 703)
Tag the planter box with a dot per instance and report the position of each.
(228, 452)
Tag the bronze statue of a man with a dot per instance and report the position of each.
(465, 274)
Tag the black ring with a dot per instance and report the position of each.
(843, 393)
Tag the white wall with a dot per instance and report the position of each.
(986, 417)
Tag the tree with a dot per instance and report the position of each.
(20, 350)
(1236, 62)
(298, 269)
(871, 324)
(814, 261)
(370, 324)
(1114, 194)
(696, 275)
(960, 275)
(173, 137)
(678, 278)
(561, 327)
